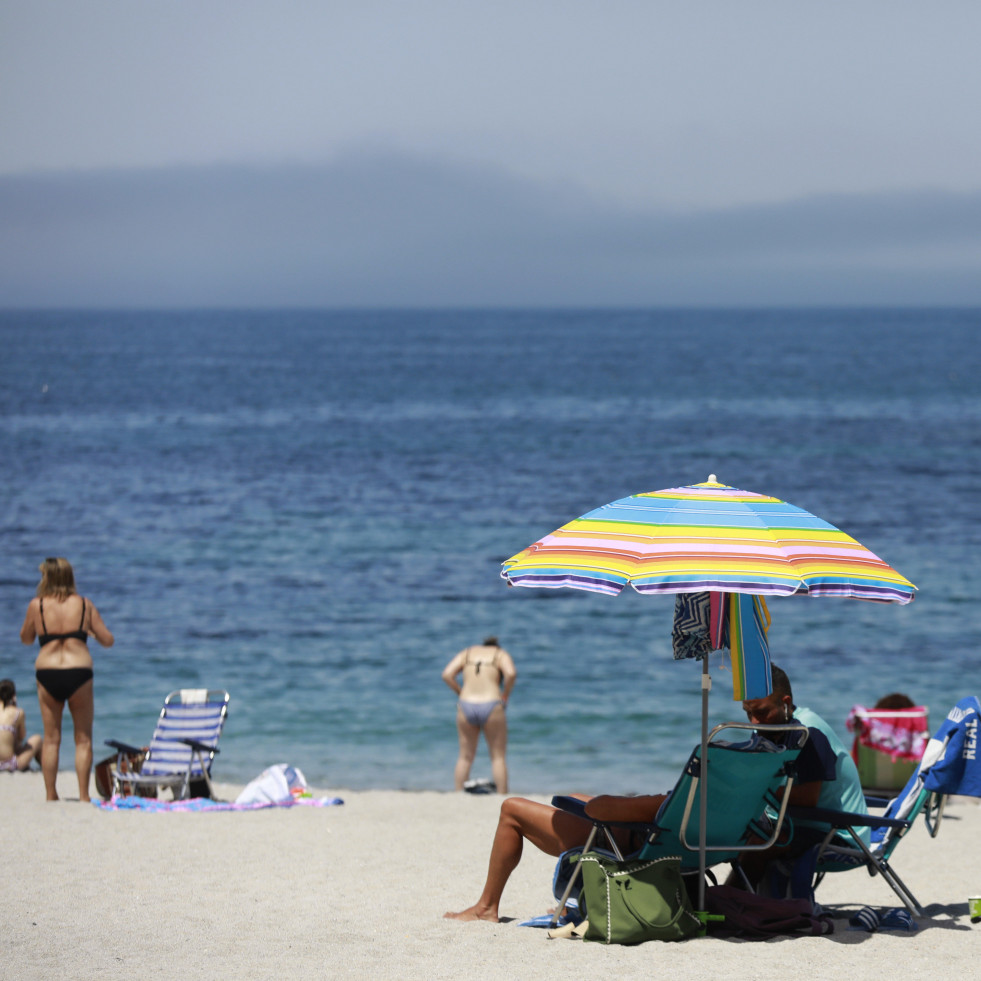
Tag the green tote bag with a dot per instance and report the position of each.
(636, 900)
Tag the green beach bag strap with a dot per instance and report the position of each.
(636, 900)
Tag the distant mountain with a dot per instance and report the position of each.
(385, 230)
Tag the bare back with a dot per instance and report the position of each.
(74, 614)
(11, 730)
(483, 671)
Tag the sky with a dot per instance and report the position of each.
(545, 152)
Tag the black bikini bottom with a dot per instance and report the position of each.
(62, 683)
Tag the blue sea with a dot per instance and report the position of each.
(311, 508)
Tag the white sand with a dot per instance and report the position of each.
(358, 891)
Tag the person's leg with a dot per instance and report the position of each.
(51, 710)
(496, 734)
(547, 828)
(82, 707)
(469, 735)
(29, 750)
(754, 864)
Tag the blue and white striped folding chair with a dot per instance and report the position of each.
(950, 765)
(183, 747)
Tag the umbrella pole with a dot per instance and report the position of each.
(703, 786)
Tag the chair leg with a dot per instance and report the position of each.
(611, 841)
(933, 812)
(186, 785)
(207, 778)
(889, 875)
(899, 888)
(204, 773)
(572, 880)
(736, 867)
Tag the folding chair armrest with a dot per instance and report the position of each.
(845, 819)
(123, 747)
(577, 807)
(199, 746)
(571, 805)
(871, 801)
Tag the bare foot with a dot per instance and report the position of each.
(474, 913)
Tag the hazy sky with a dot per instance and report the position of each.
(600, 115)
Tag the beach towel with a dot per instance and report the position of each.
(690, 629)
(749, 622)
(902, 733)
(952, 754)
(709, 621)
(118, 803)
(718, 620)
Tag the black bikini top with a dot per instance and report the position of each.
(79, 634)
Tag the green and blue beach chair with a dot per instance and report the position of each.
(743, 781)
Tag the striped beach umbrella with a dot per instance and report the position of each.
(706, 537)
(731, 547)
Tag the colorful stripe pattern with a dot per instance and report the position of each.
(705, 622)
(168, 755)
(749, 622)
(706, 537)
(196, 804)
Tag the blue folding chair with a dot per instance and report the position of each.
(949, 766)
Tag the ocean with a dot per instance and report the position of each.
(310, 509)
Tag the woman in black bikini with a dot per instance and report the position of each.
(61, 621)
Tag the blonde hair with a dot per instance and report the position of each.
(57, 578)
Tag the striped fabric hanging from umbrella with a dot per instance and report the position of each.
(737, 622)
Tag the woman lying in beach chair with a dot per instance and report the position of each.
(748, 791)
(821, 777)
(745, 779)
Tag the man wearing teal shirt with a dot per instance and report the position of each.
(844, 793)
(826, 774)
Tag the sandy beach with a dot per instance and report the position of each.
(358, 891)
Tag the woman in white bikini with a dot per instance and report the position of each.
(17, 749)
(488, 677)
(62, 621)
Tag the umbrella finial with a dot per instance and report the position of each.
(712, 479)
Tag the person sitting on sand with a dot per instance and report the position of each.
(62, 621)
(488, 678)
(17, 749)
(554, 831)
